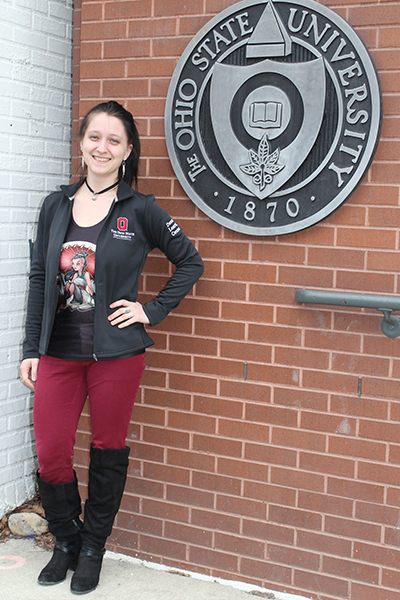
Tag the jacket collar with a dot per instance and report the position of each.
(70, 190)
(124, 190)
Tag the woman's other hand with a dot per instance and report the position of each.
(127, 313)
(28, 368)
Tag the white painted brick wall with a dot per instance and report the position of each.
(35, 117)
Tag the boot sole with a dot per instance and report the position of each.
(85, 592)
(49, 583)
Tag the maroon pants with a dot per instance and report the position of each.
(61, 390)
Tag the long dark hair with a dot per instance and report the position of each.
(114, 109)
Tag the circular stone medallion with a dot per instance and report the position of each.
(273, 116)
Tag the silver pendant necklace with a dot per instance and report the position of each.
(95, 194)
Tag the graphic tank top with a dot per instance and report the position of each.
(72, 335)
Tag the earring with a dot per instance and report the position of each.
(83, 163)
(123, 168)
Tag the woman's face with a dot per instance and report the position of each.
(105, 145)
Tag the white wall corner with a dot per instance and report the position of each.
(35, 113)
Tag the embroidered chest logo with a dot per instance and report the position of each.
(122, 232)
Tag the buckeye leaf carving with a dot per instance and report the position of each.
(263, 165)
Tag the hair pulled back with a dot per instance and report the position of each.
(114, 109)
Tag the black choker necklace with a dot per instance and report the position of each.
(95, 194)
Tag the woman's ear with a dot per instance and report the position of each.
(128, 153)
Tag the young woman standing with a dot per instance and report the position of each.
(85, 334)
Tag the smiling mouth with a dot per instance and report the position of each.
(100, 159)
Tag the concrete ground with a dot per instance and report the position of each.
(121, 579)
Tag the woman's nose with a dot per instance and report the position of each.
(102, 145)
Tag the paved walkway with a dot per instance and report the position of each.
(121, 579)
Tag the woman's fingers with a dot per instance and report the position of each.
(127, 313)
(28, 369)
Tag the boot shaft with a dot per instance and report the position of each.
(107, 476)
(62, 507)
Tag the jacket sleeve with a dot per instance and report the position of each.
(33, 324)
(166, 235)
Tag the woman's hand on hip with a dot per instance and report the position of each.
(127, 313)
(28, 368)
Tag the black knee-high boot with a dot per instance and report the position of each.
(107, 477)
(62, 507)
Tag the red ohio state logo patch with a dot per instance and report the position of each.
(122, 232)
(122, 224)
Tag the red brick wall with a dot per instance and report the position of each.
(289, 479)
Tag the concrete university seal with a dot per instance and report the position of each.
(273, 116)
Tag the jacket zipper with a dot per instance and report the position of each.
(97, 244)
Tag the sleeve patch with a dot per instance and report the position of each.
(172, 227)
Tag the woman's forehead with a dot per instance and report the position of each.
(104, 123)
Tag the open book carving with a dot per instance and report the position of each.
(266, 115)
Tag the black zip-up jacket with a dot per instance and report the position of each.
(134, 226)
